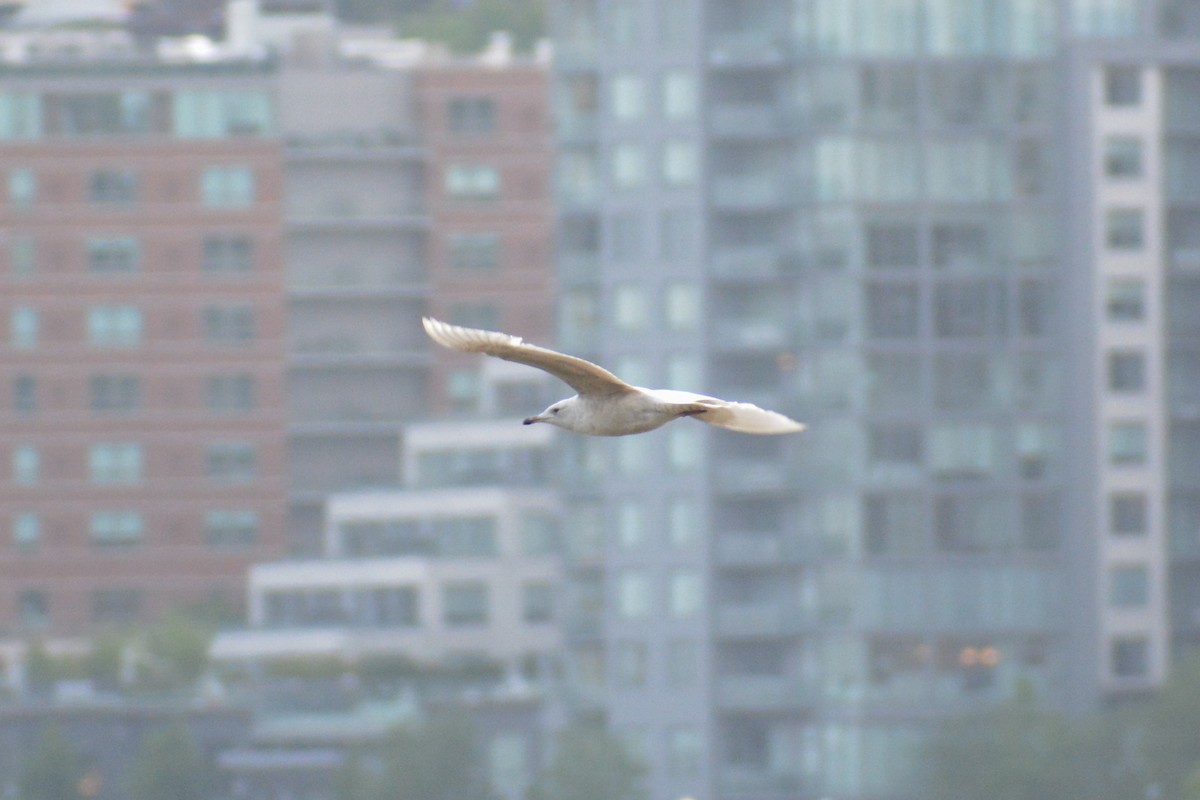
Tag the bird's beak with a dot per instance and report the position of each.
(533, 419)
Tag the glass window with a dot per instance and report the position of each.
(628, 165)
(892, 311)
(20, 115)
(1106, 18)
(227, 187)
(633, 594)
(971, 308)
(539, 534)
(1130, 657)
(628, 97)
(1127, 443)
(227, 253)
(33, 608)
(683, 448)
(472, 182)
(233, 529)
(1128, 514)
(233, 462)
(684, 751)
(113, 254)
(1128, 586)
(683, 371)
(631, 524)
(113, 187)
(679, 94)
(1123, 85)
(26, 465)
(1126, 371)
(465, 603)
(958, 451)
(230, 393)
(1124, 229)
(682, 525)
(537, 603)
(891, 245)
(633, 454)
(625, 25)
(116, 528)
(22, 188)
(684, 593)
(961, 170)
(110, 463)
(630, 666)
(229, 324)
(676, 234)
(26, 531)
(104, 113)
(625, 236)
(1123, 157)
(680, 163)
(22, 256)
(894, 444)
(682, 665)
(119, 607)
(24, 394)
(887, 170)
(220, 113)
(471, 115)
(466, 537)
(631, 307)
(682, 306)
(474, 251)
(114, 326)
(1126, 300)
(23, 328)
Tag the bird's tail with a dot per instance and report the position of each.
(743, 418)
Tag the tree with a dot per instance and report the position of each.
(51, 772)
(169, 764)
(1019, 752)
(176, 652)
(40, 669)
(590, 764)
(465, 29)
(436, 762)
(103, 662)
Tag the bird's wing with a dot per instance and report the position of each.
(583, 376)
(740, 417)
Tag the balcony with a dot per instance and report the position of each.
(755, 262)
(764, 46)
(763, 694)
(763, 620)
(766, 550)
(755, 121)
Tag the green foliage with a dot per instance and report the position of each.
(434, 762)
(169, 764)
(102, 665)
(465, 29)
(1018, 752)
(1171, 746)
(40, 669)
(175, 653)
(590, 764)
(52, 771)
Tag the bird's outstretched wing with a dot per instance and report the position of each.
(734, 416)
(583, 376)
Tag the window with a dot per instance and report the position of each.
(110, 463)
(682, 527)
(1130, 657)
(1128, 514)
(118, 187)
(680, 163)
(113, 254)
(960, 246)
(474, 251)
(966, 309)
(116, 606)
(537, 603)
(1123, 86)
(892, 311)
(227, 394)
(631, 524)
(221, 113)
(684, 751)
(631, 307)
(1123, 157)
(539, 534)
(466, 537)
(625, 231)
(233, 462)
(1126, 372)
(24, 394)
(23, 328)
(26, 465)
(676, 234)
(682, 658)
(630, 663)
(684, 448)
(26, 531)
(679, 94)
(228, 254)
(476, 315)
(229, 324)
(684, 593)
(20, 115)
(104, 113)
(116, 528)
(465, 603)
(628, 97)
(682, 306)
(22, 256)
(471, 115)
(1123, 229)
(115, 393)
(890, 246)
(1127, 443)
(22, 188)
(1126, 300)
(231, 528)
(894, 444)
(227, 187)
(472, 182)
(628, 165)
(33, 608)
(114, 326)
(633, 594)
(1128, 586)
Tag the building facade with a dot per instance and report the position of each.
(143, 425)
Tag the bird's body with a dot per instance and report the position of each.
(605, 405)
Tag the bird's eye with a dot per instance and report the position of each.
(554, 411)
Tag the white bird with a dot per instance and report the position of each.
(606, 405)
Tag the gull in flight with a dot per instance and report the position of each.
(606, 405)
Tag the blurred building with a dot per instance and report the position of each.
(143, 424)
(905, 224)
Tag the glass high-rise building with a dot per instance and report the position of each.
(890, 219)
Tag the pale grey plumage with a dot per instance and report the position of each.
(605, 405)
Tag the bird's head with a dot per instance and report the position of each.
(562, 414)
